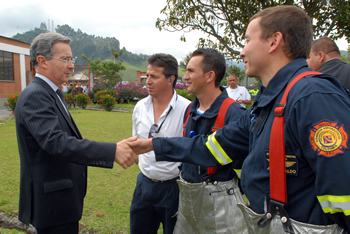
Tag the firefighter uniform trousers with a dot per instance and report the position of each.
(208, 208)
(275, 226)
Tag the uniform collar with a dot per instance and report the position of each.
(214, 108)
(278, 83)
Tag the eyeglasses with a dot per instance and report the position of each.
(154, 128)
(67, 60)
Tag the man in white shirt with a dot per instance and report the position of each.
(85, 89)
(156, 195)
(237, 93)
(64, 87)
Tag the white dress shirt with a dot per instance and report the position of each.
(143, 119)
(53, 86)
(239, 93)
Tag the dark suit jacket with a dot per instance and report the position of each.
(53, 158)
(339, 69)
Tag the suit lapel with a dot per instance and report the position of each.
(59, 105)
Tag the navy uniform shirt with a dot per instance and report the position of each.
(203, 124)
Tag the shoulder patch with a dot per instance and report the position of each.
(328, 138)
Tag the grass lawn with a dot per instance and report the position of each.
(109, 195)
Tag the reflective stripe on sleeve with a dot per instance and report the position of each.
(238, 172)
(335, 204)
(217, 151)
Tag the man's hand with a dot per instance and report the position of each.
(124, 155)
(141, 146)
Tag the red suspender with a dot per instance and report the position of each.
(219, 123)
(278, 183)
(186, 119)
(220, 118)
(278, 186)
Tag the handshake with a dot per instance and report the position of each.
(128, 149)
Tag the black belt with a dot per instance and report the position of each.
(162, 181)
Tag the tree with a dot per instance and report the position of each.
(347, 57)
(225, 21)
(185, 60)
(108, 69)
(240, 74)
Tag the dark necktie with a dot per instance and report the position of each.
(60, 94)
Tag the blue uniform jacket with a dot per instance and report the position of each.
(202, 125)
(317, 123)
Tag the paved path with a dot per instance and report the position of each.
(4, 113)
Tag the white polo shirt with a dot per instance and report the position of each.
(239, 93)
(143, 119)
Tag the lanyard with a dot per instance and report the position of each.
(157, 130)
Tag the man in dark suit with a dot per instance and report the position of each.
(54, 156)
(325, 57)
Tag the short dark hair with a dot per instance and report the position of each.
(294, 24)
(167, 62)
(326, 45)
(43, 45)
(213, 60)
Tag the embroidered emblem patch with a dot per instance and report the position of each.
(291, 164)
(328, 138)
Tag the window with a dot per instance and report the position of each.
(6, 66)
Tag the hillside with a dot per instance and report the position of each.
(94, 47)
(130, 72)
(131, 68)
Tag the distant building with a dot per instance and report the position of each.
(15, 71)
(79, 78)
(141, 77)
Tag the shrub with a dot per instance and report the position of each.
(99, 94)
(185, 94)
(181, 86)
(82, 100)
(127, 92)
(98, 87)
(69, 99)
(107, 101)
(11, 102)
(141, 91)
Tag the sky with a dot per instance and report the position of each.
(132, 22)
